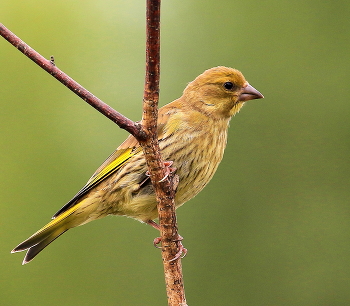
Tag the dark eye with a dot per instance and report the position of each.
(229, 85)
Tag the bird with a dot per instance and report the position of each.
(192, 134)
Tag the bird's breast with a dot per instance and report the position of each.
(196, 154)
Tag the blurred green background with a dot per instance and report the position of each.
(271, 229)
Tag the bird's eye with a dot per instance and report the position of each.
(229, 85)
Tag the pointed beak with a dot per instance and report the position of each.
(249, 93)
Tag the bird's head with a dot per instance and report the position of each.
(220, 92)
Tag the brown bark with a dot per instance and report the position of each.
(165, 189)
(146, 133)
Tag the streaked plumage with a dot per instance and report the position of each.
(192, 132)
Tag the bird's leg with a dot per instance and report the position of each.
(155, 225)
(168, 170)
(182, 250)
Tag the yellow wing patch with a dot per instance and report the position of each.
(112, 164)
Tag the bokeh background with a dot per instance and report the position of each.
(271, 229)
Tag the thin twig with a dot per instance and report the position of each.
(48, 65)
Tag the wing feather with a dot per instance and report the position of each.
(114, 162)
(124, 152)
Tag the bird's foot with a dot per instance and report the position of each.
(168, 169)
(157, 241)
(182, 251)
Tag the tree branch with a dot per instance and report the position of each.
(145, 133)
(164, 189)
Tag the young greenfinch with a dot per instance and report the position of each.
(192, 133)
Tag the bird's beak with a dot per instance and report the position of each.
(249, 93)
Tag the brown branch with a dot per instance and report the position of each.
(146, 133)
(164, 189)
(48, 65)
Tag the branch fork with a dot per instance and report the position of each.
(163, 179)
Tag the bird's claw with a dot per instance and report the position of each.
(182, 250)
(156, 241)
(168, 170)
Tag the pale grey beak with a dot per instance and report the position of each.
(249, 93)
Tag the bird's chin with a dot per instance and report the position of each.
(236, 108)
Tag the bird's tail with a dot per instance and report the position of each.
(74, 216)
